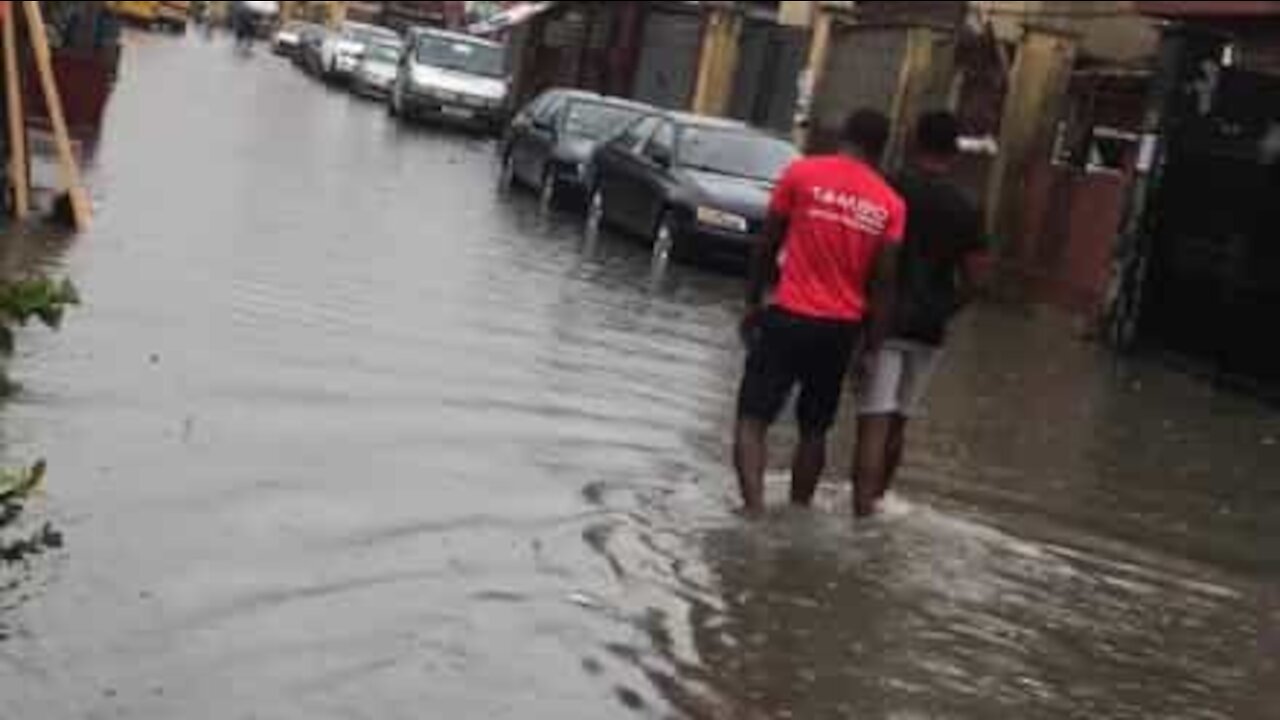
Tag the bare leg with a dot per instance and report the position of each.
(751, 455)
(806, 470)
(897, 446)
(872, 463)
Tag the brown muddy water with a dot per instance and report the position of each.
(342, 433)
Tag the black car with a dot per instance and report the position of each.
(551, 141)
(689, 184)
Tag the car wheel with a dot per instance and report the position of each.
(507, 174)
(595, 215)
(549, 192)
(395, 104)
(666, 244)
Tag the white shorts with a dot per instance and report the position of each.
(898, 379)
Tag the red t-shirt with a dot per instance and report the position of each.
(840, 214)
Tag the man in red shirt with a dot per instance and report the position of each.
(833, 231)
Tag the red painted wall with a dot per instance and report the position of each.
(1072, 218)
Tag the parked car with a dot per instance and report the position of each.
(378, 68)
(689, 184)
(310, 54)
(550, 142)
(288, 39)
(452, 78)
(341, 52)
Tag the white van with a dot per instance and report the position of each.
(452, 78)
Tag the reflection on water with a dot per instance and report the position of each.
(346, 432)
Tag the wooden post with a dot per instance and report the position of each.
(19, 174)
(70, 171)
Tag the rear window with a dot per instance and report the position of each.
(597, 121)
(736, 153)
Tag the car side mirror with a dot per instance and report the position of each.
(661, 156)
(544, 124)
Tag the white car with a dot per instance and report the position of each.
(288, 39)
(376, 74)
(342, 51)
(452, 78)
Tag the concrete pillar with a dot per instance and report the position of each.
(913, 88)
(1038, 86)
(822, 21)
(797, 14)
(718, 64)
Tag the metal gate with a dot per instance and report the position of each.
(668, 66)
(771, 58)
(1213, 279)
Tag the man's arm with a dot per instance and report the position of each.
(884, 293)
(764, 260)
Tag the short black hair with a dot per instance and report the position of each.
(938, 133)
(868, 131)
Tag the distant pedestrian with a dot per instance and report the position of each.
(833, 232)
(245, 24)
(937, 276)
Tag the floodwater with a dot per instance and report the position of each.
(342, 433)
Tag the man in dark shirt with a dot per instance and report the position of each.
(936, 274)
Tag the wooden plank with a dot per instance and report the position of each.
(70, 170)
(19, 173)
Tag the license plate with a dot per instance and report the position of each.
(457, 113)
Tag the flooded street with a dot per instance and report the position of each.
(340, 432)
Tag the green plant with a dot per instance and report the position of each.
(17, 485)
(36, 298)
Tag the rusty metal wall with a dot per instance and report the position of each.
(767, 83)
(863, 70)
(668, 67)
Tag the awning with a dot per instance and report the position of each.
(510, 18)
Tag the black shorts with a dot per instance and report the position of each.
(789, 350)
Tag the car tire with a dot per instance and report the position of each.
(597, 218)
(667, 244)
(395, 104)
(549, 190)
(507, 172)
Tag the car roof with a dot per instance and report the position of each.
(420, 30)
(379, 30)
(706, 121)
(598, 99)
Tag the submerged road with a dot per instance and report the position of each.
(343, 433)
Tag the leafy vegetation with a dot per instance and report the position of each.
(43, 300)
(16, 488)
(39, 299)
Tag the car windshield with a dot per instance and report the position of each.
(736, 153)
(469, 57)
(597, 121)
(386, 54)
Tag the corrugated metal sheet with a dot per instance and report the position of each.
(668, 67)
